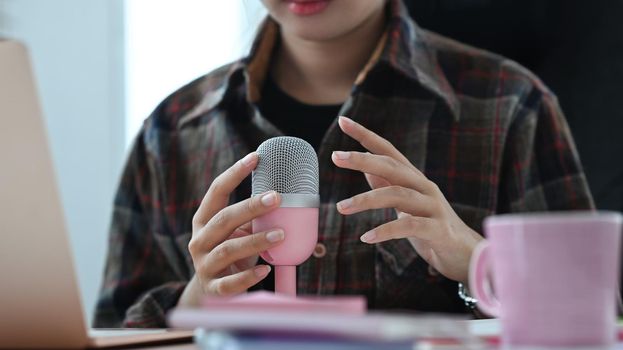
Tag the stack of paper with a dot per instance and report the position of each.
(267, 321)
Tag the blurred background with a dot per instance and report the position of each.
(103, 65)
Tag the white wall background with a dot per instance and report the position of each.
(172, 42)
(102, 66)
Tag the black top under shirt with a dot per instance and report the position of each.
(295, 118)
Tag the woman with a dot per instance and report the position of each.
(438, 136)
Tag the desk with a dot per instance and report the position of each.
(189, 346)
(481, 328)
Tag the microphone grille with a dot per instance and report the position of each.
(286, 165)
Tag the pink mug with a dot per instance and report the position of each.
(554, 275)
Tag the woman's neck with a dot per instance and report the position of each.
(323, 72)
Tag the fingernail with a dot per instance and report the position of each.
(248, 159)
(346, 120)
(262, 271)
(269, 199)
(345, 204)
(275, 236)
(368, 236)
(342, 155)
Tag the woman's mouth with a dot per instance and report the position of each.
(307, 7)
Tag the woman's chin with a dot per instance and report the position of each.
(313, 34)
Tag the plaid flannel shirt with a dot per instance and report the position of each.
(484, 129)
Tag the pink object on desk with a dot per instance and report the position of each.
(555, 276)
(266, 301)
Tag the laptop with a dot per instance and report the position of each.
(40, 304)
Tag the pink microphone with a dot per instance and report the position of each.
(289, 166)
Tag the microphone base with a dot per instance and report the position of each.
(285, 280)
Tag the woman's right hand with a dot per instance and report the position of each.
(223, 249)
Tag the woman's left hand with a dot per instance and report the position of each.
(425, 217)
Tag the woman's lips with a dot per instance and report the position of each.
(307, 7)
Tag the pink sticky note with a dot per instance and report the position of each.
(266, 301)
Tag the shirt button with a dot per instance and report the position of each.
(320, 250)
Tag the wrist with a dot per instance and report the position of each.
(473, 240)
(191, 296)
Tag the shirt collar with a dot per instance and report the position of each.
(404, 46)
(410, 51)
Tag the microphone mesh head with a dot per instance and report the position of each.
(286, 165)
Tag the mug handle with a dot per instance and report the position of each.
(479, 281)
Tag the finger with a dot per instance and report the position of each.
(236, 249)
(370, 140)
(242, 231)
(239, 282)
(408, 226)
(223, 223)
(383, 166)
(401, 198)
(376, 181)
(246, 227)
(217, 196)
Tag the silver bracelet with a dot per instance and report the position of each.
(469, 301)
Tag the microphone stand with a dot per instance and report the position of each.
(285, 280)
